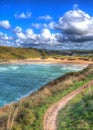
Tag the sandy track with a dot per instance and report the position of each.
(50, 118)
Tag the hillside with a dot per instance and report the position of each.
(11, 53)
(28, 113)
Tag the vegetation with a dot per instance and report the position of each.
(78, 114)
(28, 113)
(11, 53)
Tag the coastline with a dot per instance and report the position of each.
(42, 61)
(45, 61)
(48, 60)
(47, 92)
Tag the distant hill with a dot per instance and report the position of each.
(9, 53)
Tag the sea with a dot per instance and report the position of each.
(20, 80)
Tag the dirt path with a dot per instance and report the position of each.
(50, 118)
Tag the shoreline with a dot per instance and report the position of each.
(39, 61)
(44, 86)
(43, 94)
(48, 60)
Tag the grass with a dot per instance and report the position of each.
(11, 53)
(29, 112)
(78, 114)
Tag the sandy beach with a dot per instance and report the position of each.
(48, 60)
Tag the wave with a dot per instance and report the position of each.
(14, 67)
(73, 67)
(3, 69)
(30, 75)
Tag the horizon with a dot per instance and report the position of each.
(45, 24)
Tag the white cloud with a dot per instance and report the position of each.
(18, 29)
(5, 24)
(5, 39)
(28, 37)
(50, 25)
(46, 17)
(23, 15)
(36, 25)
(19, 33)
(30, 34)
(76, 25)
(48, 38)
(40, 25)
(46, 34)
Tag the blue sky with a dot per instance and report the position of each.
(52, 24)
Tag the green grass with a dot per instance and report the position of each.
(11, 53)
(29, 112)
(78, 114)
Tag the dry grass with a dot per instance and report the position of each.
(68, 82)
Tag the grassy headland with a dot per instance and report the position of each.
(11, 53)
(78, 113)
(28, 113)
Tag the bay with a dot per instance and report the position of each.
(19, 80)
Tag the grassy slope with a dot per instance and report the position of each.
(28, 113)
(11, 53)
(78, 114)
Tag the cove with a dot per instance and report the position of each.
(19, 80)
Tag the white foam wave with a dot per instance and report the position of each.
(72, 68)
(14, 67)
(3, 69)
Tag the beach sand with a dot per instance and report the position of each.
(48, 60)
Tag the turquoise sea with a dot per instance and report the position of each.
(19, 80)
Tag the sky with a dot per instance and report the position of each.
(48, 24)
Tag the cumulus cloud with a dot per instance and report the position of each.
(5, 24)
(72, 31)
(28, 37)
(50, 25)
(45, 34)
(46, 17)
(76, 25)
(23, 15)
(39, 25)
(48, 38)
(36, 25)
(19, 33)
(5, 39)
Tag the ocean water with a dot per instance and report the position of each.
(19, 80)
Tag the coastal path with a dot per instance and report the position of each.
(50, 117)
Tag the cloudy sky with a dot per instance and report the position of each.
(51, 24)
